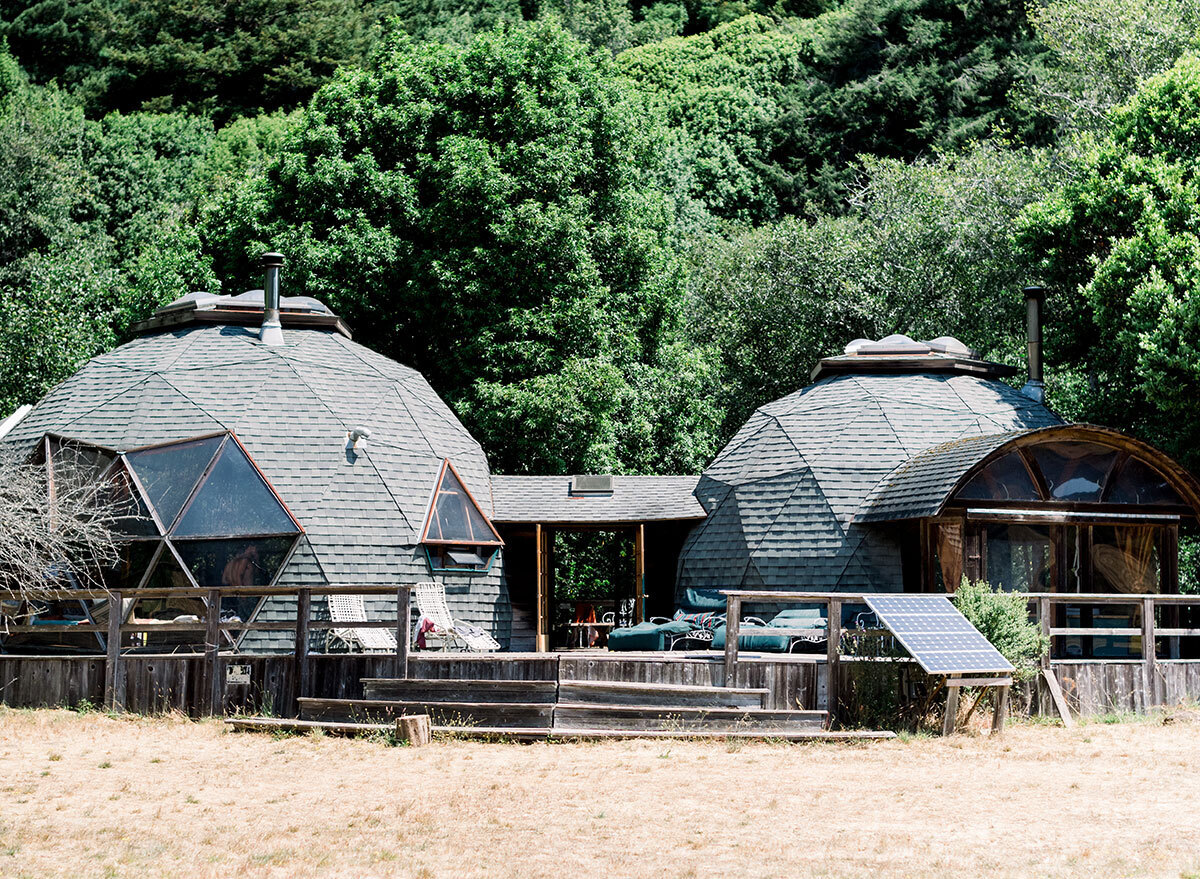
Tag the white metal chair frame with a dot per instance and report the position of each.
(350, 608)
(432, 606)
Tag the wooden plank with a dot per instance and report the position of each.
(1149, 649)
(1046, 620)
(114, 675)
(665, 695)
(303, 668)
(212, 653)
(1056, 694)
(403, 636)
(541, 600)
(733, 616)
(467, 714)
(832, 657)
(645, 718)
(950, 721)
(639, 572)
(454, 690)
(1097, 631)
(999, 681)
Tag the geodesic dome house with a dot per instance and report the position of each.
(906, 465)
(307, 460)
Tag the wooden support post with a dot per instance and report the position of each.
(541, 589)
(1149, 672)
(1056, 696)
(1045, 618)
(303, 611)
(639, 573)
(403, 615)
(213, 696)
(733, 619)
(833, 645)
(950, 721)
(1000, 709)
(114, 674)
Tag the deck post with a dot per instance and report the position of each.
(1045, 617)
(303, 611)
(212, 654)
(403, 613)
(1148, 653)
(114, 674)
(733, 617)
(950, 721)
(639, 572)
(1000, 709)
(833, 644)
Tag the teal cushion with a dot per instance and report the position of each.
(676, 627)
(754, 638)
(703, 599)
(643, 636)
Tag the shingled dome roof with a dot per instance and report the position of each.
(783, 495)
(291, 406)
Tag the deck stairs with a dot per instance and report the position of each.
(561, 709)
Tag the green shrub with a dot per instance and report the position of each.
(1003, 618)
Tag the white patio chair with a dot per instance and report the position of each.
(350, 609)
(431, 605)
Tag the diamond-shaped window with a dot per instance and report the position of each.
(234, 500)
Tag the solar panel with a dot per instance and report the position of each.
(940, 639)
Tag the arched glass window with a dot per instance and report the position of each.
(1075, 471)
(1005, 479)
(1137, 482)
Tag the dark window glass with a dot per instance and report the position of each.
(461, 558)
(233, 500)
(78, 464)
(235, 563)
(169, 473)
(1018, 557)
(455, 517)
(1139, 483)
(1074, 471)
(135, 558)
(1004, 479)
(134, 517)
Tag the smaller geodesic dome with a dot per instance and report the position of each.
(354, 444)
(783, 496)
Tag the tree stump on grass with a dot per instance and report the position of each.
(414, 729)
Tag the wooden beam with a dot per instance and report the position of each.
(114, 674)
(733, 618)
(1000, 709)
(403, 615)
(998, 681)
(1056, 695)
(300, 651)
(832, 658)
(1149, 673)
(541, 634)
(213, 700)
(639, 572)
(1044, 617)
(950, 721)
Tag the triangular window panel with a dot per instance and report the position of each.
(1005, 479)
(236, 564)
(454, 517)
(132, 516)
(234, 501)
(1139, 483)
(170, 473)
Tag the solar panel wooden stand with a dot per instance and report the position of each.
(1000, 685)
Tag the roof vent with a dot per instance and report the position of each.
(591, 485)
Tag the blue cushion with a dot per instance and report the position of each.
(703, 599)
(751, 637)
(799, 618)
(647, 636)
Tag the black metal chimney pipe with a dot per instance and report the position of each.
(1034, 298)
(272, 330)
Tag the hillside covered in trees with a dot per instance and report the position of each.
(606, 231)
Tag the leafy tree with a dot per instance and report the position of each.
(1103, 50)
(481, 213)
(1003, 618)
(1119, 249)
(925, 249)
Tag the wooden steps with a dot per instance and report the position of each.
(295, 725)
(655, 718)
(562, 709)
(621, 693)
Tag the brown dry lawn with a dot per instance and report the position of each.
(90, 795)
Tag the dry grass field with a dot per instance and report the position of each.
(90, 795)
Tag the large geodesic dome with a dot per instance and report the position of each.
(782, 497)
(354, 444)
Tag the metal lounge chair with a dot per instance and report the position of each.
(431, 605)
(350, 609)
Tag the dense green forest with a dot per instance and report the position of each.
(607, 230)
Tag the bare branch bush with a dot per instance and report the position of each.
(61, 532)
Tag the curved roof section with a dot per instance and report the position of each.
(783, 495)
(291, 406)
(922, 487)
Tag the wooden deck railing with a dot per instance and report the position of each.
(212, 627)
(1043, 604)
